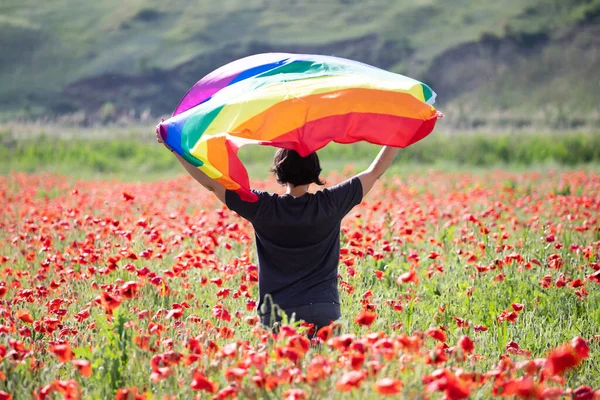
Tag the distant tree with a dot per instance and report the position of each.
(107, 112)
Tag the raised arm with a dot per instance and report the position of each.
(381, 163)
(209, 183)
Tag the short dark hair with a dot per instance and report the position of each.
(290, 167)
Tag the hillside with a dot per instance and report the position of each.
(521, 58)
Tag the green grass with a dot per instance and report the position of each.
(133, 158)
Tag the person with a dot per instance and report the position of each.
(297, 234)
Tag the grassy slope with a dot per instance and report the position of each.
(51, 44)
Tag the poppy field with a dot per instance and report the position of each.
(453, 285)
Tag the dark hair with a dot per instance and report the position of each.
(290, 167)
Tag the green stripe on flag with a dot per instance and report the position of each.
(296, 67)
(427, 92)
(196, 125)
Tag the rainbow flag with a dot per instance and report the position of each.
(293, 101)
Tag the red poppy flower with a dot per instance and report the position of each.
(295, 394)
(69, 389)
(466, 344)
(388, 386)
(226, 393)
(325, 333)
(62, 351)
(350, 380)
(24, 316)
(299, 343)
(593, 277)
(577, 283)
(446, 381)
(552, 393)
(584, 392)
(129, 289)
(129, 394)
(319, 368)
(410, 276)
(365, 318)
(348, 261)
(201, 382)
(436, 334)
(221, 313)
(356, 361)
(128, 197)
(546, 281)
(456, 390)
(84, 367)
(110, 302)
(175, 313)
(581, 347)
(561, 359)
(509, 316)
(523, 387)
(235, 374)
(437, 355)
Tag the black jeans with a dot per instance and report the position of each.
(318, 314)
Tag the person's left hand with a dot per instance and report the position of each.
(159, 138)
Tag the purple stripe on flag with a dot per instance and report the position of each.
(220, 78)
(202, 91)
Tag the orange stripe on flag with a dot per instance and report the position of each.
(292, 114)
(217, 154)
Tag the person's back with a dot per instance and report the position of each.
(298, 233)
(298, 246)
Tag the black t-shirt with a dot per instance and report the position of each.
(298, 241)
